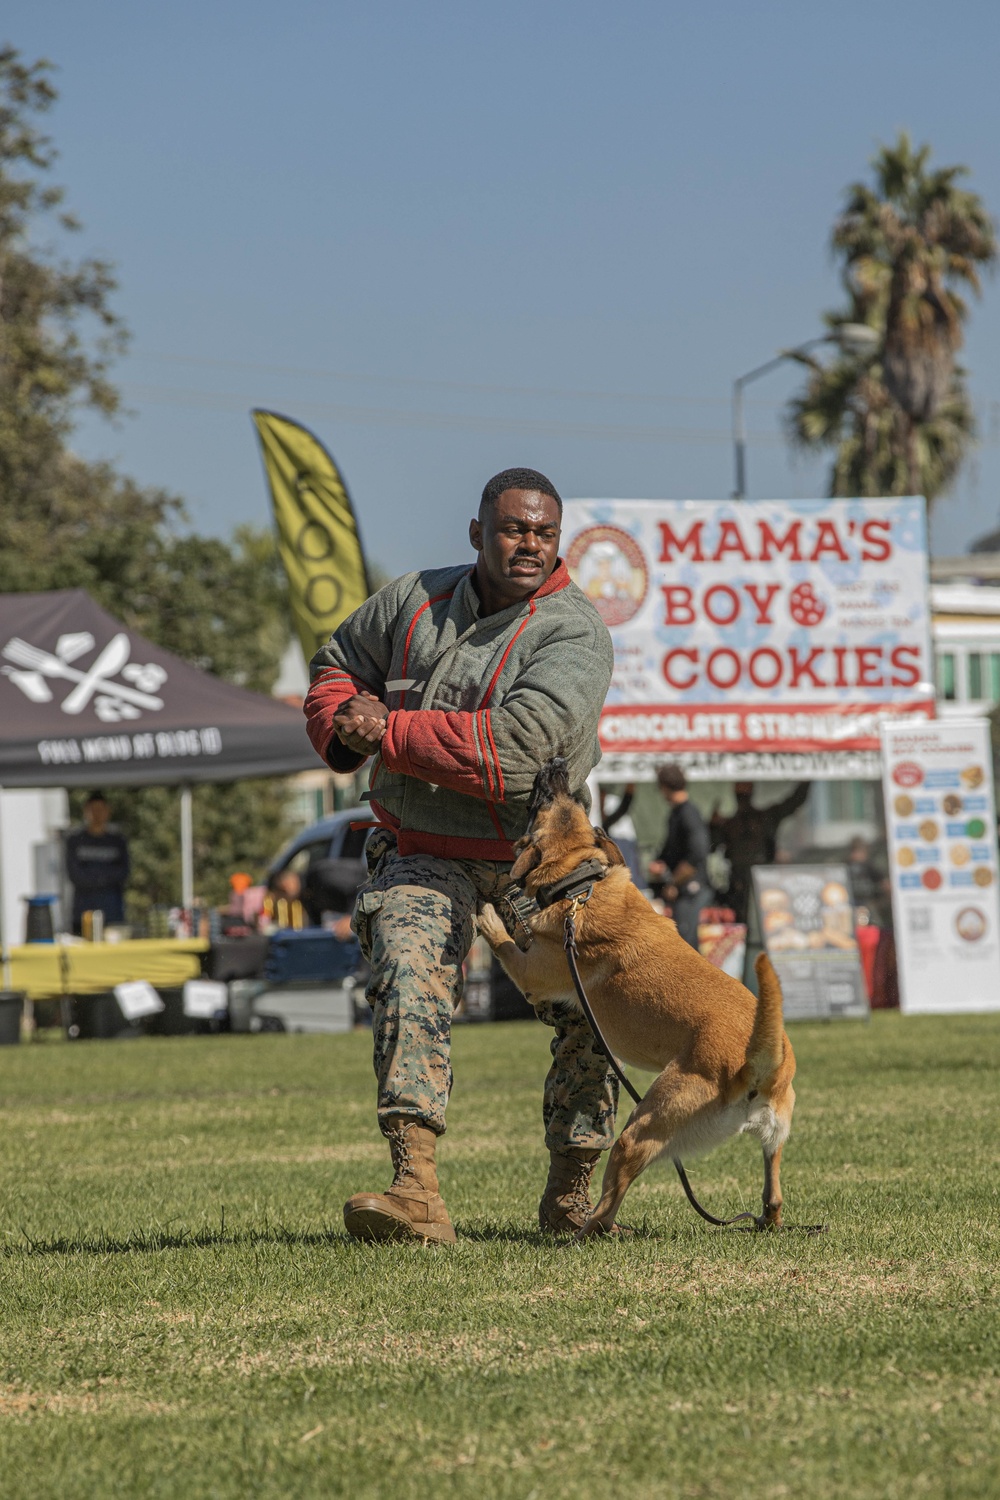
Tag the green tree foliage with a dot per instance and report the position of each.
(901, 422)
(66, 523)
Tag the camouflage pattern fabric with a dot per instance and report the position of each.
(415, 923)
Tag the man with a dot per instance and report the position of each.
(97, 864)
(463, 682)
(750, 838)
(681, 862)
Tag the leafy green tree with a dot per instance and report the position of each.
(900, 422)
(47, 366)
(66, 523)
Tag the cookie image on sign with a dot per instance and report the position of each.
(609, 566)
(970, 924)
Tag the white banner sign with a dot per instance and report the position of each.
(205, 999)
(765, 639)
(137, 998)
(941, 826)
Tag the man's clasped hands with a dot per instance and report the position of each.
(360, 723)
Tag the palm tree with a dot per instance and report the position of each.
(901, 421)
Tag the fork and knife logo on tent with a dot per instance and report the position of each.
(34, 670)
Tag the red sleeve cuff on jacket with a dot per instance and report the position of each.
(326, 696)
(441, 747)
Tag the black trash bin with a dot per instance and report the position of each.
(11, 1009)
(99, 1018)
(39, 924)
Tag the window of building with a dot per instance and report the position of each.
(975, 661)
(994, 660)
(946, 676)
(851, 801)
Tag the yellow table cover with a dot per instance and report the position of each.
(47, 970)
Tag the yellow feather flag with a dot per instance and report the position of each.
(317, 533)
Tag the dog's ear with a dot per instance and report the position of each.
(608, 847)
(529, 859)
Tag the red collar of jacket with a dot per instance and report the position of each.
(557, 579)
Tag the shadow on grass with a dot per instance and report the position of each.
(151, 1242)
(155, 1241)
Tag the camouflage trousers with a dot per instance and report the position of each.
(415, 923)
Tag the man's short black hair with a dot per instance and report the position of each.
(518, 479)
(672, 778)
(95, 797)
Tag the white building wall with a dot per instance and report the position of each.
(28, 819)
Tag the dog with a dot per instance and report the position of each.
(723, 1062)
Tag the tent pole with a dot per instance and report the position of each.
(4, 953)
(187, 851)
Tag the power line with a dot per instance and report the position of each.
(442, 421)
(988, 409)
(360, 378)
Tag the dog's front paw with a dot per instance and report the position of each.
(490, 925)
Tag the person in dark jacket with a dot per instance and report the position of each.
(681, 862)
(750, 838)
(97, 864)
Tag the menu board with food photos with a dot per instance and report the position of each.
(807, 927)
(942, 835)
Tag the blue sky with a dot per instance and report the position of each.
(452, 237)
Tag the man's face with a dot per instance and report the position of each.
(518, 542)
(744, 792)
(96, 815)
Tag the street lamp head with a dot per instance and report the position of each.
(856, 338)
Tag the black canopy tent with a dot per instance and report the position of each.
(85, 701)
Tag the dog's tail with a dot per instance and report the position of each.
(766, 1052)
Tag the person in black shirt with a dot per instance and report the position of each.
(750, 838)
(681, 862)
(97, 864)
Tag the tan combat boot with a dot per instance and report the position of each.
(412, 1209)
(566, 1205)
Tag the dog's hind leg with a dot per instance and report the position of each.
(772, 1187)
(673, 1099)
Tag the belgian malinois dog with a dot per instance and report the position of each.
(723, 1062)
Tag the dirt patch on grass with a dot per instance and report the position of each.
(20, 1405)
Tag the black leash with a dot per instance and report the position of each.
(580, 898)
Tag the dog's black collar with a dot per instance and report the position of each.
(573, 884)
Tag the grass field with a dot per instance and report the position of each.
(181, 1314)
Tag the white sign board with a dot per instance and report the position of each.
(137, 998)
(757, 639)
(941, 827)
(205, 999)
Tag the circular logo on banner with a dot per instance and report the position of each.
(970, 924)
(314, 542)
(907, 773)
(608, 565)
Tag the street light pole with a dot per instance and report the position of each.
(852, 338)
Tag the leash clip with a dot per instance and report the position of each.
(569, 921)
(580, 899)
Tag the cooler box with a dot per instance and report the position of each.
(312, 956)
(255, 1006)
